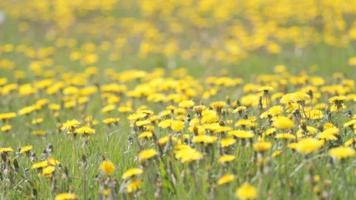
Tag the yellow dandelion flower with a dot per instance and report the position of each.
(6, 149)
(241, 134)
(246, 191)
(5, 128)
(187, 155)
(262, 146)
(226, 158)
(308, 145)
(226, 142)
(7, 116)
(132, 172)
(227, 178)
(48, 171)
(85, 130)
(147, 154)
(70, 125)
(341, 152)
(26, 149)
(66, 196)
(107, 167)
(209, 116)
(285, 136)
(186, 104)
(145, 134)
(177, 125)
(205, 139)
(282, 123)
(133, 186)
(39, 165)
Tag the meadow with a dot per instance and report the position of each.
(166, 99)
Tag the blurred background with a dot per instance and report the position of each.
(237, 36)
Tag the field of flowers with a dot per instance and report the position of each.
(177, 99)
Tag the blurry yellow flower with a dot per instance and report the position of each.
(226, 142)
(6, 149)
(227, 178)
(246, 191)
(241, 134)
(248, 123)
(308, 145)
(205, 139)
(66, 196)
(282, 123)
(186, 104)
(70, 125)
(107, 167)
(226, 158)
(146, 134)
(48, 171)
(6, 128)
(352, 61)
(7, 116)
(133, 186)
(187, 155)
(147, 154)
(25, 149)
(209, 116)
(111, 121)
(85, 130)
(341, 152)
(177, 125)
(132, 172)
(262, 146)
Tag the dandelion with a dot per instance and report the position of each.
(85, 130)
(107, 167)
(132, 172)
(226, 158)
(177, 125)
(282, 123)
(227, 178)
(262, 146)
(6, 149)
(66, 196)
(226, 142)
(147, 154)
(205, 139)
(308, 145)
(246, 191)
(70, 125)
(187, 155)
(133, 186)
(341, 152)
(25, 149)
(6, 128)
(48, 171)
(242, 134)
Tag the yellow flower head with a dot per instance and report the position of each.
(226, 158)
(107, 167)
(147, 154)
(66, 196)
(308, 145)
(25, 149)
(227, 178)
(341, 152)
(133, 186)
(262, 146)
(282, 123)
(188, 154)
(132, 172)
(246, 191)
